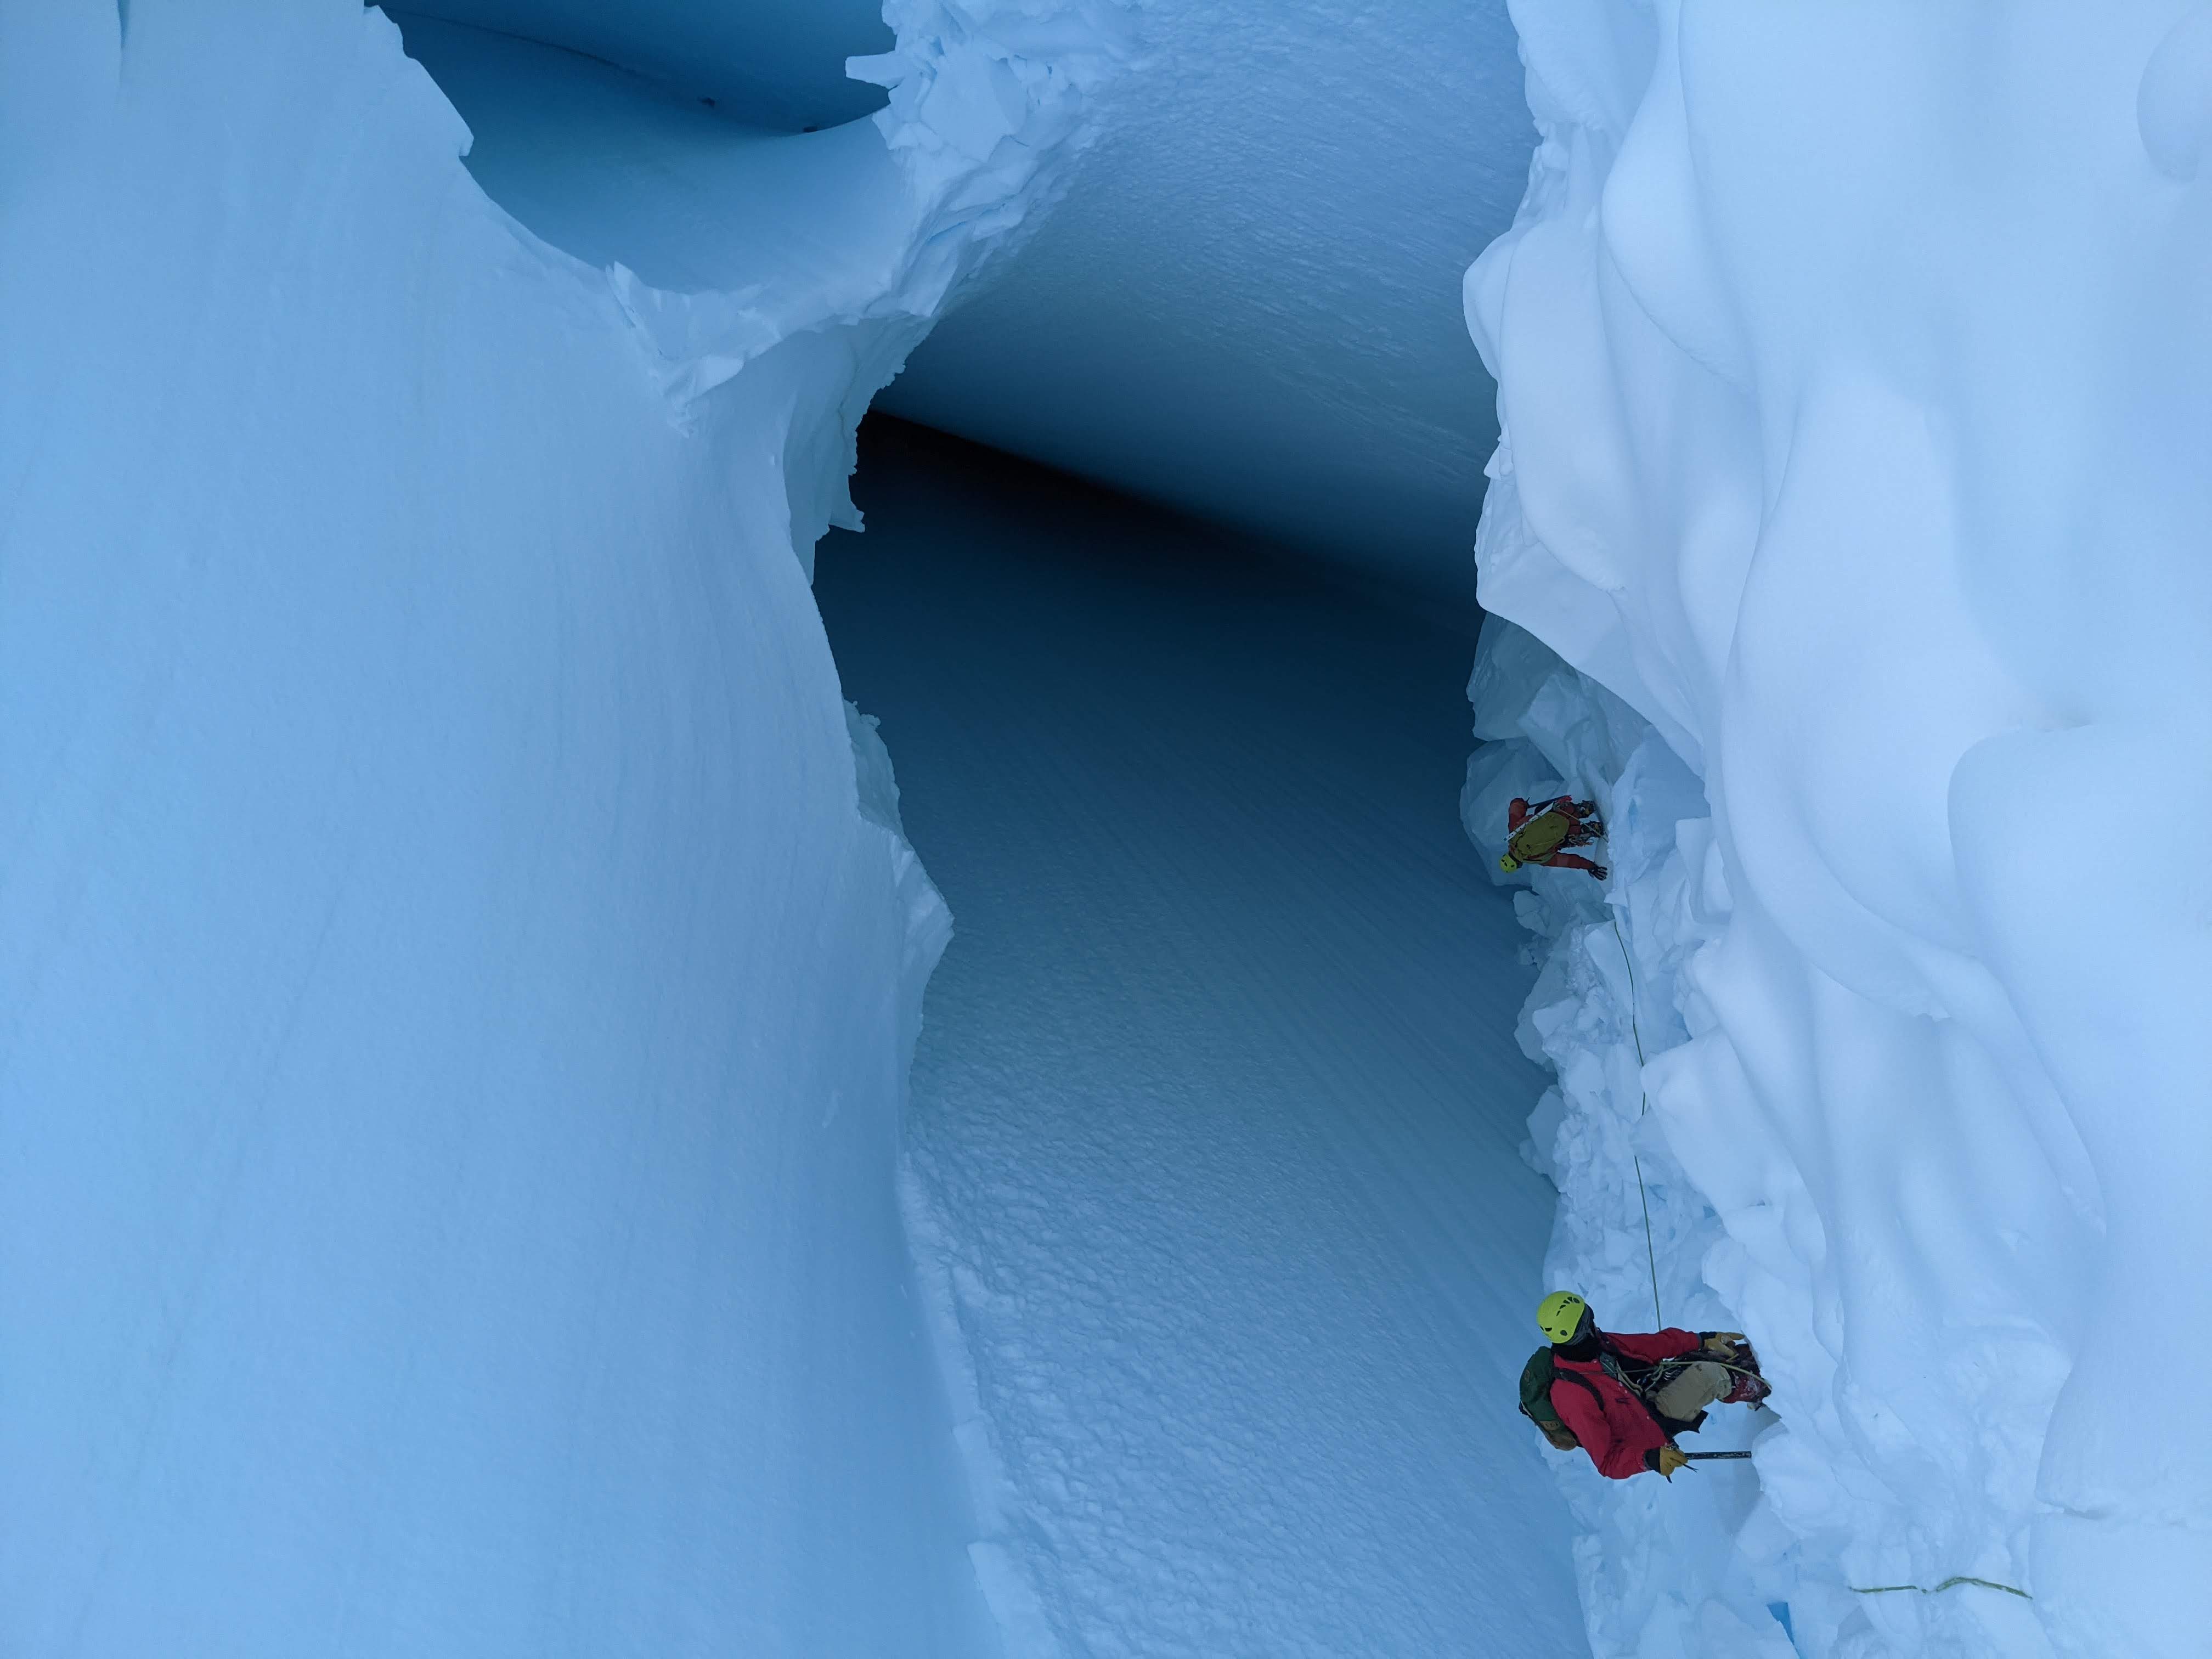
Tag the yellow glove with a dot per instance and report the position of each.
(1671, 1460)
(1724, 1343)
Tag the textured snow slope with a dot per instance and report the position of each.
(1216, 1106)
(1854, 368)
(455, 1002)
(1244, 308)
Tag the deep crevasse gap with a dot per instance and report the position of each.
(1211, 1151)
(456, 1002)
(1853, 371)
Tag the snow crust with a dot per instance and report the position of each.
(1853, 369)
(457, 960)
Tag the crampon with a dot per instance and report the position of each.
(1751, 1388)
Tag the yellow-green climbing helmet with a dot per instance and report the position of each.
(1507, 862)
(1558, 1315)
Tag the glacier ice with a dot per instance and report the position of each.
(457, 991)
(1852, 368)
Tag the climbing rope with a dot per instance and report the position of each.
(1961, 1578)
(1652, 1255)
(1636, 1031)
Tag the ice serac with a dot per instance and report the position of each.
(456, 990)
(1854, 389)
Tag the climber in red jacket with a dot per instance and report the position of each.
(1621, 1398)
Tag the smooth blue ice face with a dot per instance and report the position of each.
(781, 63)
(1247, 306)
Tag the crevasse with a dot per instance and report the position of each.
(1853, 373)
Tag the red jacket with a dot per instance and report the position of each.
(1616, 1428)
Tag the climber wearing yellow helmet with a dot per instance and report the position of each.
(1542, 834)
(1623, 1399)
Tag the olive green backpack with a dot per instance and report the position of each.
(1536, 1379)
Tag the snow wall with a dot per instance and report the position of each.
(1855, 377)
(456, 984)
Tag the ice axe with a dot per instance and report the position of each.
(1707, 1457)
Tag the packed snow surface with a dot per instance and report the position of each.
(454, 995)
(1856, 385)
(1244, 305)
(1213, 1148)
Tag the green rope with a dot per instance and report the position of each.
(1651, 1250)
(1650, 1253)
(1961, 1578)
(1634, 1030)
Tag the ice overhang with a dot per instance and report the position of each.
(771, 62)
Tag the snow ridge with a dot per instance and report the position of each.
(880, 221)
(988, 107)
